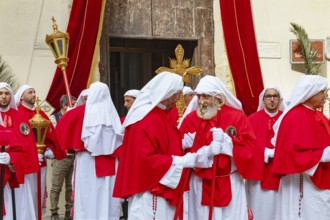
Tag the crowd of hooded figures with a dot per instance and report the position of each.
(217, 163)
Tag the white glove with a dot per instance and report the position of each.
(326, 155)
(269, 153)
(188, 140)
(218, 134)
(49, 154)
(204, 157)
(4, 158)
(41, 158)
(214, 148)
(189, 160)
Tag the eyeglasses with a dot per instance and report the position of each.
(275, 96)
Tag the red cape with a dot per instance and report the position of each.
(69, 129)
(248, 159)
(51, 139)
(262, 125)
(174, 114)
(146, 156)
(22, 150)
(122, 119)
(301, 139)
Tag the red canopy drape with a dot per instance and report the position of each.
(83, 29)
(242, 52)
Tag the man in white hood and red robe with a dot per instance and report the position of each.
(94, 132)
(20, 158)
(216, 184)
(151, 163)
(262, 195)
(25, 99)
(302, 153)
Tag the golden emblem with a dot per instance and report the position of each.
(180, 66)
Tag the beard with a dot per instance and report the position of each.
(4, 105)
(207, 112)
(30, 101)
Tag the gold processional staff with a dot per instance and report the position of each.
(180, 66)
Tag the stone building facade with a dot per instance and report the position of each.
(140, 35)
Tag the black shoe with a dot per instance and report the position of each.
(54, 217)
(67, 216)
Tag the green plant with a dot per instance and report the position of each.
(7, 75)
(309, 54)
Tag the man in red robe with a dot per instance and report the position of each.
(94, 131)
(151, 161)
(261, 195)
(302, 153)
(25, 99)
(20, 157)
(216, 185)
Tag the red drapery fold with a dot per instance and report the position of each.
(83, 30)
(242, 52)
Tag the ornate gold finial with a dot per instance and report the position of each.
(58, 43)
(55, 27)
(181, 67)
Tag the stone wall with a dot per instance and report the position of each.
(158, 19)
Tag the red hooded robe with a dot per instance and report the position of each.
(146, 156)
(248, 159)
(262, 125)
(69, 129)
(302, 136)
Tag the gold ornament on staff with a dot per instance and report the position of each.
(58, 43)
(180, 66)
(39, 126)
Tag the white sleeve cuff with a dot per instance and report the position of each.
(173, 175)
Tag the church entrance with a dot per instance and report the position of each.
(133, 63)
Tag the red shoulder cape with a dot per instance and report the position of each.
(69, 129)
(20, 148)
(301, 139)
(262, 125)
(146, 155)
(51, 139)
(248, 159)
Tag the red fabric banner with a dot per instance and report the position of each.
(83, 28)
(242, 52)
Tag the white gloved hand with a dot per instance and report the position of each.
(188, 140)
(326, 155)
(218, 134)
(269, 153)
(204, 157)
(41, 158)
(214, 148)
(49, 154)
(189, 160)
(4, 158)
